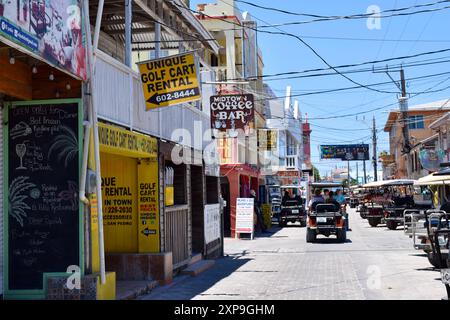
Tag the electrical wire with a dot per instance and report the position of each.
(363, 15)
(299, 39)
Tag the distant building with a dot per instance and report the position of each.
(397, 164)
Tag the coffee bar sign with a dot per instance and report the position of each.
(232, 112)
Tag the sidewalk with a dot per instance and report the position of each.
(128, 290)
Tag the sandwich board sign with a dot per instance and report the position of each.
(170, 80)
(244, 216)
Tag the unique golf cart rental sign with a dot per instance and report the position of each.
(170, 80)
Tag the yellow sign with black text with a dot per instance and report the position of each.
(126, 143)
(170, 80)
(148, 207)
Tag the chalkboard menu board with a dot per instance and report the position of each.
(43, 208)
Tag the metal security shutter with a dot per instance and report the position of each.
(1, 200)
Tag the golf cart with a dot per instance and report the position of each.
(355, 195)
(274, 197)
(325, 218)
(372, 208)
(402, 191)
(429, 229)
(293, 209)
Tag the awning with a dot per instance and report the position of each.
(432, 179)
(375, 184)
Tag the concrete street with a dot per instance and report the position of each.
(374, 263)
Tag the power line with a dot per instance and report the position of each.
(363, 15)
(295, 37)
(409, 14)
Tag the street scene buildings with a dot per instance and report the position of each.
(157, 150)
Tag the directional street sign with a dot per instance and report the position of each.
(170, 80)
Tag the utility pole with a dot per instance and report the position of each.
(403, 101)
(364, 169)
(357, 173)
(374, 144)
(348, 174)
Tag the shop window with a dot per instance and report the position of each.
(179, 182)
(214, 61)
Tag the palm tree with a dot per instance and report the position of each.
(66, 144)
(16, 197)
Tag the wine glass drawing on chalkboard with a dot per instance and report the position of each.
(21, 149)
(17, 205)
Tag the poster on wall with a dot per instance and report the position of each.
(52, 30)
(212, 222)
(44, 215)
(244, 215)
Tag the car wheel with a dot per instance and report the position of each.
(341, 235)
(302, 223)
(434, 260)
(392, 225)
(282, 223)
(310, 235)
(374, 222)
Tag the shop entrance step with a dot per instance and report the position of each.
(198, 267)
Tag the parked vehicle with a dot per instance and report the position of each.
(325, 218)
(402, 191)
(274, 197)
(292, 210)
(374, 201)
(435, 241)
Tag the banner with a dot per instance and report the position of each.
(123, 142)
(345, 152)
(244, 215)
(233, 111)
(170, 80)
(50, 29)
(212, 222)
(267, 139)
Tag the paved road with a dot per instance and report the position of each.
(374, 263)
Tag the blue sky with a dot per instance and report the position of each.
(397, 36)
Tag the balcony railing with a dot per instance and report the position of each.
(292, 162)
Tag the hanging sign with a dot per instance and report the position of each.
(170, 80)
(267, 139)
(233, 111)
(345, 152)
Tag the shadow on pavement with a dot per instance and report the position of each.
(331, 240)
(194, 286)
